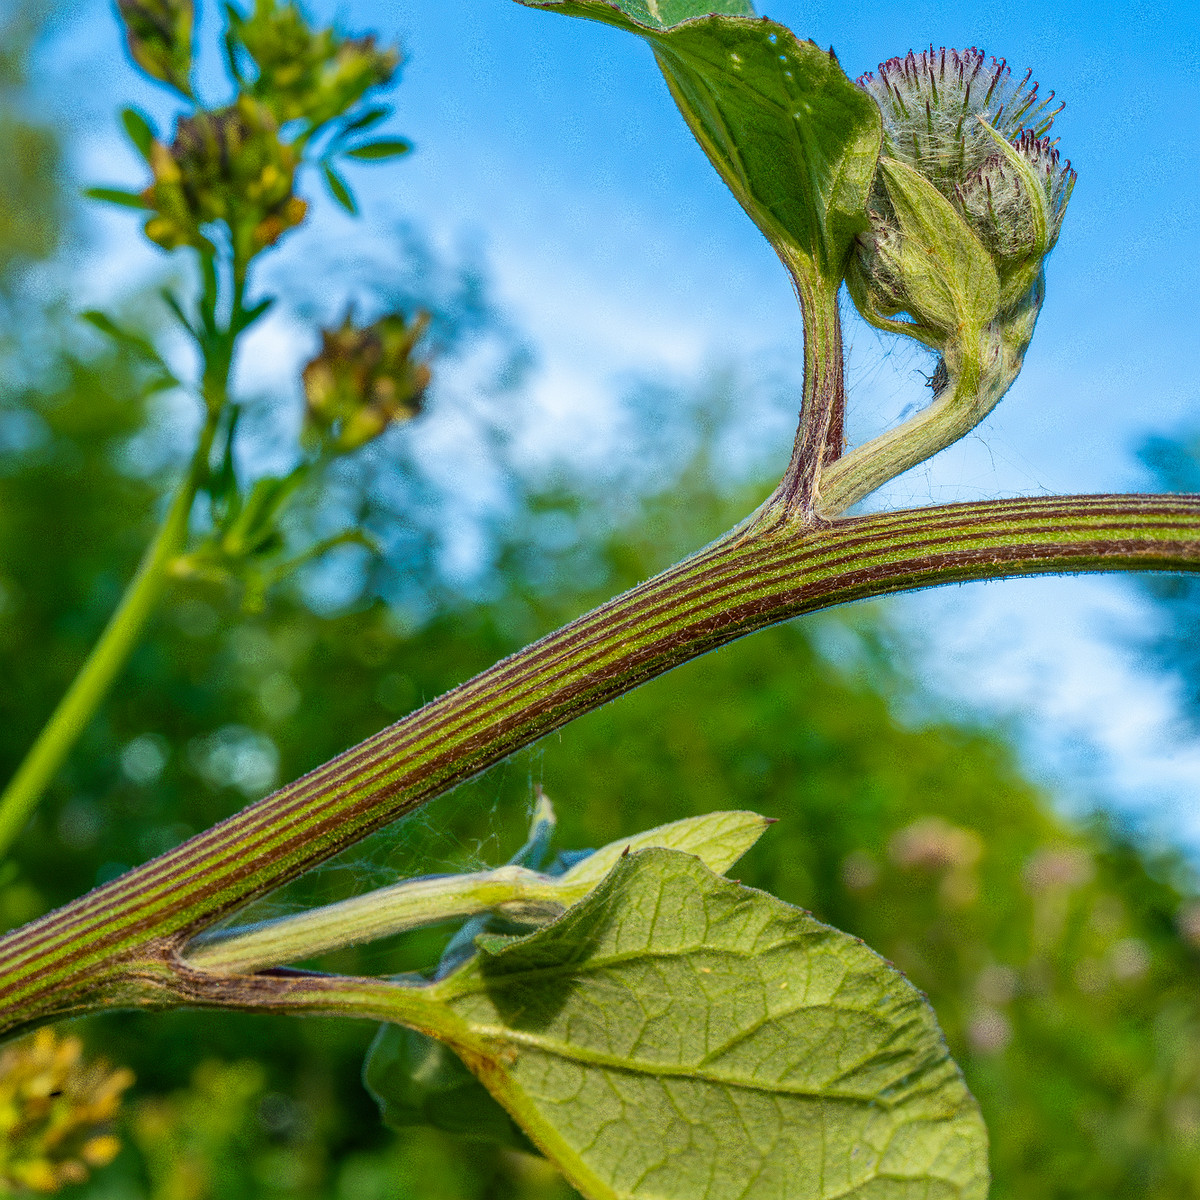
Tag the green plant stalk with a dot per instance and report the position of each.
(411, 904)
(821, 429)
(970, 394)
(111, 652)
(107, 657)
(121, 944)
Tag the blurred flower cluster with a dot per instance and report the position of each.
(229, 166)
(364, 379)
(301, 73)
(225, 186)
(234, 166)
(55, 1111)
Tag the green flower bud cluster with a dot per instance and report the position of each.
(363, 380)
(159, 35)
(55, 1112)
(968, 200)
(229, 165)
(313, 75)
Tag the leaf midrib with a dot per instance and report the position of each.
(517, 1039)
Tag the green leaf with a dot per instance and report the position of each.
(177, 312)
(378, 151)
(663, 14)
(256, 524)
(138, 345)
(677, 1035)
(945, 267)
(115, 196)
(366, 120)
(418, 1081)
(718, 839)
(794, 139)
(338, 189)
(253, 313)
(139, 130)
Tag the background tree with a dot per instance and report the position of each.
(925, 841)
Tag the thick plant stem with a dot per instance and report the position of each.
(106, 659)
(115, 945)
(821, 429)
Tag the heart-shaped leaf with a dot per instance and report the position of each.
(794, 139)
(418, 1081)
(677, 1035)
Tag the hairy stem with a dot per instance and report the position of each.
(981, 365)
(821, 430)
(108, 947)
(515, 891)
(107, 657)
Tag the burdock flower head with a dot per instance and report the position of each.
(968, 200)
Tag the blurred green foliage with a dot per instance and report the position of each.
(1174, 465)
(1063, 960)
(30, 184)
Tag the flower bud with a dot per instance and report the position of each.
(969, 198)
(364, 380)
(305, 73)
(159, 35)
(228, 166)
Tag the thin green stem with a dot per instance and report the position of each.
(981, 365)
(120, 944)
(125, 627)
(107, 657)
(965, 400)
(414, 903)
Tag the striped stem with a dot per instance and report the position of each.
(120, 944)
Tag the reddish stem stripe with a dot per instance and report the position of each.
(743, 583)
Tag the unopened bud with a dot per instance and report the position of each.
(969, 198)
(229, 166)
(364, 380)
(159, 35)
(309, 74)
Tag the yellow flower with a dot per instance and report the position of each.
(55, 1110)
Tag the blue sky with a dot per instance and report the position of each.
(552, 143)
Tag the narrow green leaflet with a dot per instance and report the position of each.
(793, 138)
(676, 1035)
